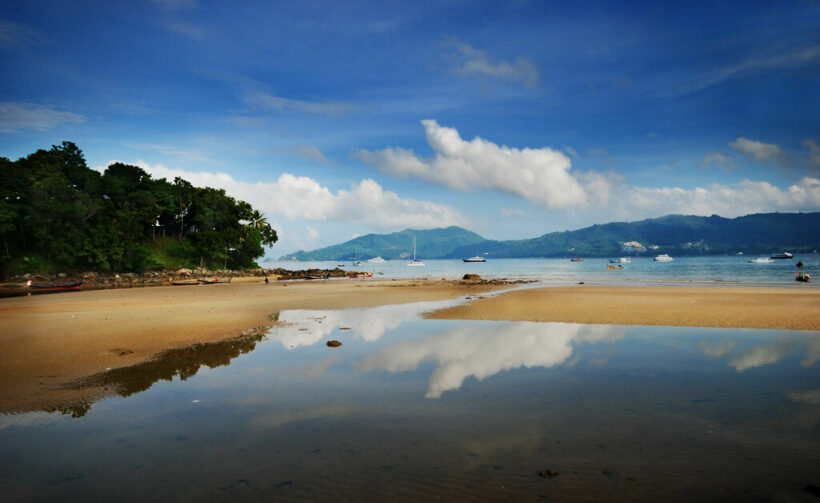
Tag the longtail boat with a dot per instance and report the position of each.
(55, 287)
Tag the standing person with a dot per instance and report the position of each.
(266, 279)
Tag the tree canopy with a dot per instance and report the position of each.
(58, 214)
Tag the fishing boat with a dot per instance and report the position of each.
(663, 258)
(55, 287)
(415, 262)
(802, 276)
(760, 260)
(185, 282)
(784, 255)
(474, 259)
(576, 259)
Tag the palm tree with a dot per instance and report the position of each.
(258, 220)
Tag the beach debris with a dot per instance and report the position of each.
(471, 277)
(333, 344)
(344, 328)
(548, 473)
(580, 282)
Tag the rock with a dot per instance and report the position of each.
(548, 473)
(333, 344)
(183, 272)
(61, 275)
(471, 277)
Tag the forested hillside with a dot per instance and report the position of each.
(56, 214)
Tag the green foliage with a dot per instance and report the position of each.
(56, 213)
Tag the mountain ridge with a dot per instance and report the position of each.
(759, 233)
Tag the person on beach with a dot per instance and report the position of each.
(266, 280)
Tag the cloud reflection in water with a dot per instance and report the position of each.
(487, 350)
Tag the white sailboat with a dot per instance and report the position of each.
(414, 262)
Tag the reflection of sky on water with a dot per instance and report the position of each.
(301, 327)
(772, 351)
(482, 352)
(618, 411)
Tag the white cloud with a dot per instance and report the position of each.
(486, 351)
(471, 62)
(541, 175)
(760, 151)
(299, 197)
(814, 151)
(312, 234)
(22, 116)
(513, 212)
(545, 177)
(277, 104)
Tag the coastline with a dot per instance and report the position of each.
(49, 342)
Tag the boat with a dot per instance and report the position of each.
(356, 260)
(208, 281)
(760, 260)
(612, 267)
(55, 287)
(622, 260)
(576, 259)
(184, 282)
(802, 276)
(377, 260)
(415, 262)
(474, 259)
(663, 258)
(784, 255)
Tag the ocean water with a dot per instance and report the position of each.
(411, 409)
(642, 270)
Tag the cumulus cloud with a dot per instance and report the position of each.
(471, 62)
(302, 197)
(545, 177)
(767, 152)
(22, 116)
(278, 104)
(540, 175)
(487, 351)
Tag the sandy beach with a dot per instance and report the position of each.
(48, 341)
(727, 307)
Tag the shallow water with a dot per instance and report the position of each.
(415, 409)
(729, 270)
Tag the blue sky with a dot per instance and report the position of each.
(511, 119)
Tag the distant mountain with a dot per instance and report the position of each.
(434, 243)
(675, 234)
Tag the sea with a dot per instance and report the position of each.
(700, 270)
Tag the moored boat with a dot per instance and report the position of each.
(474, 259)
(612, 267)
(576, 259)
(663, 258)
(376, 260)
(784, 255)
(802, 276)
(55, 287)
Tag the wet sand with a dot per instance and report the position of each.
(729, 307)
(47, 341)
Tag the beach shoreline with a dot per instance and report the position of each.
(50, 341)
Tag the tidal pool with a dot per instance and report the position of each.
(409, 409)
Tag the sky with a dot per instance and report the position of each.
(511, 119)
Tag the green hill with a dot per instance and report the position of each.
(675, 234)
(434, 243)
